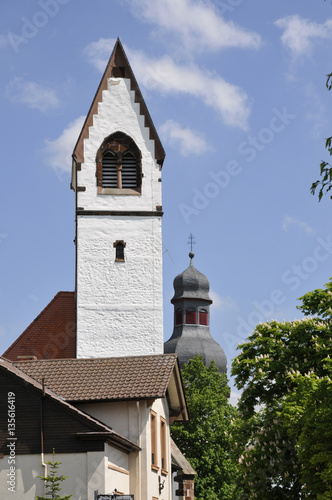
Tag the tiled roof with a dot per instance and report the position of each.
(51, 334)
(104, 379)
(99, 429)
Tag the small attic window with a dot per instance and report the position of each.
(119, 166)
(119, 250)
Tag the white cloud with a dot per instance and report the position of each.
(188, 141)
(290, 222)
(299, 34)
(195, 23)
(32, 94)
(222, 303)
(99, 52)
(58, 153)
(165, 76)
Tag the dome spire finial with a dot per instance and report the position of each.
(191, 256)
(191, 242)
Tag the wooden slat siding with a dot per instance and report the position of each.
(60, 425)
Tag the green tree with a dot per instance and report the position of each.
(275, 367)
(325, 183)
(52, 482)
(307, 412)
(205, 439)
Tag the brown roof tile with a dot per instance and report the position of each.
(99, 428)
(104, 379)
(51, 335)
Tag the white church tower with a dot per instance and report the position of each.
(117, 164)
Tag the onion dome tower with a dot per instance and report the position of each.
(191, 334)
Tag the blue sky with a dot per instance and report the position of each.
(236, 89)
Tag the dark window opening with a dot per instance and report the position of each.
(119, 250)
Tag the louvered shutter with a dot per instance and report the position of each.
(109, 170)
(129, 171)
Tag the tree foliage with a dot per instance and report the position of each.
(283, 438)
(205, 439)
(324, 184)
(307, 412)
(52, 482)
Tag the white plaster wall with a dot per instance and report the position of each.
(128, 419)
(116, 479)
(119, 112)
(125, 419)
(85, 471)
(122, 417)
(119, 304)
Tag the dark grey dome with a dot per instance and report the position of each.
(191, 284)
(191, 334)
(194, 341)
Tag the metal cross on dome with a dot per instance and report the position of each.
(191, 241)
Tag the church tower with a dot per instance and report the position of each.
(116, 176)
(191, 334)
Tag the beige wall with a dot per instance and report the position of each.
(86, 473)
(128, 418)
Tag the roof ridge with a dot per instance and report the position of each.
(76, 360)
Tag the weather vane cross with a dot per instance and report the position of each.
(191, 241)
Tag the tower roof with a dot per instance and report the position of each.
(191, 334)
(191, 284)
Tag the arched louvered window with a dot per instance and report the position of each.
(191, 317)
(178, 317)
(119, 165)
(110, 176)
(203, 317)
(129, 170)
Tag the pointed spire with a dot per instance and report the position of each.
(118, 66)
